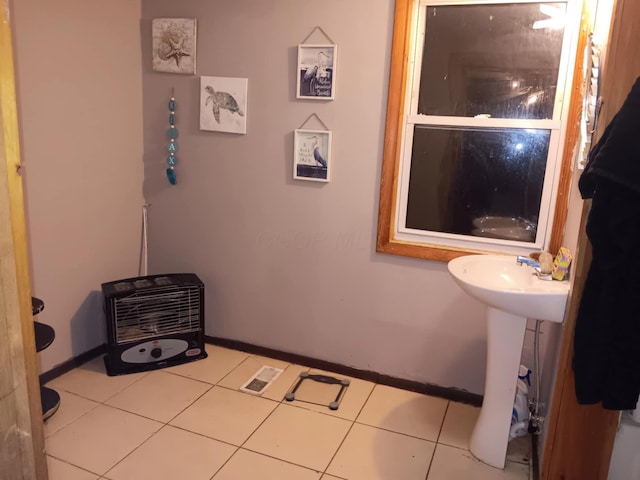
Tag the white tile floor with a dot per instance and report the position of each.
(190, 422)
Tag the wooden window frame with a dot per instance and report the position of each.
(396, 107)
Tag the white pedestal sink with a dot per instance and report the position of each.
(512, 293)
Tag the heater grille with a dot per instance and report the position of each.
(156, 311)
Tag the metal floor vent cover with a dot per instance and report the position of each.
(326, 379)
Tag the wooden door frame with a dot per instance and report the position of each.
(22, 455)
(580, 439)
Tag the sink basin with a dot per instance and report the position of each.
(512, 293)
(500, 282)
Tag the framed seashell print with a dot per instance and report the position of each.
(174, 45)
(223, 104)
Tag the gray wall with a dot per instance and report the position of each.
(289, 264)
(80, 112)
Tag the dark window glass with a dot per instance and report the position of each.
(496, 60)
(475, 181)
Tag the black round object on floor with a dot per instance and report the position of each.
(50, 402)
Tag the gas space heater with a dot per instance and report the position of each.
(153, 322)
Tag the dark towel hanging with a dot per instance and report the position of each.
(616, 156)
(606, 358)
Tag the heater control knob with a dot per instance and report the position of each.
(156, 352)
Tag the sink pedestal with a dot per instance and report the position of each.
(505, 339)
(512, 293)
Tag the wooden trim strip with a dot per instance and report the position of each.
(574, 114)
(393, 134)
(72, 363)
(453, 394)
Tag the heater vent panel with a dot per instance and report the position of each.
(160, 311)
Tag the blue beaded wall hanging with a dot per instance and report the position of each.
(172, 146)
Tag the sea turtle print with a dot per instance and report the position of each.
(221, 100)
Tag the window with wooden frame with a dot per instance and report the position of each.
(476, 121)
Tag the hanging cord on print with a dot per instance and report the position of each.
(172, 146)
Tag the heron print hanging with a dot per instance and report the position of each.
(316, 75)
(223, 104)
(174, 45)
(312, 155)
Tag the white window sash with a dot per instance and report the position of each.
(467, 241)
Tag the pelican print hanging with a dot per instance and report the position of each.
(174, 45)
(223, 104)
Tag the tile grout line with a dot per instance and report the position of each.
(278, 403)
(242, 446)
(353, 422)
(168, 424)
(247, 439)
(84, 469)
(93, 399)
(444, 417)
(97, 404)
(163, 424)
(124, 388)
(136, 448)
(217, 384)
(307, 409)
(191, 404)
(324, 472)
(237, 448)
(247, 355)
(289, 462)
(231, 371)
(211, 386)
(397, 433)
(201, 435)
(102, 403)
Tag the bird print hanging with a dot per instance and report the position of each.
(223, 104)
(312, 155)
(316, 72)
